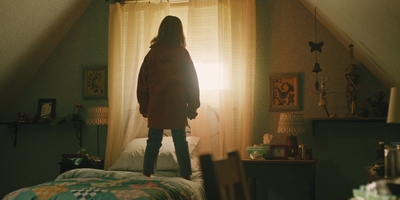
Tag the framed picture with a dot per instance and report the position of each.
(284, 92)
(279, 151)
(46, 109)
(94, 82)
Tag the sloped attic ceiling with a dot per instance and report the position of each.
(372, 26)
(30, 30)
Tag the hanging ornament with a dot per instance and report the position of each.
(352, 81)
(316, 47)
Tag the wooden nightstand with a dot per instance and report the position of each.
(302, 169)
(68, 166)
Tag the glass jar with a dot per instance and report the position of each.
(392, 161)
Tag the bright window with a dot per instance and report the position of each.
(210, 72)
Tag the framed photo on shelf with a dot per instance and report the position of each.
(94, 82)
(284, 92)
(46, 109)
(279, 151)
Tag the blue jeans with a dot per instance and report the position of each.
(155, 137)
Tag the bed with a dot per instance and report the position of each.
(124, 179)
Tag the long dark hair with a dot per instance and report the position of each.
(170, 33)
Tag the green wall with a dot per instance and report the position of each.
(284, 29)
(39, 147)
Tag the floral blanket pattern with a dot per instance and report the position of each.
(102, 185)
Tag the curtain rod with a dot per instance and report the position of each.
(154, 1)
(149, 1)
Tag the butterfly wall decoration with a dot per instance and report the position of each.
(316, 47)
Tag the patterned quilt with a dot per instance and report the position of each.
(85, 184)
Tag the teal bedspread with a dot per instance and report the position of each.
(85, 184)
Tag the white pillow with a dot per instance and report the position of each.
(131, 158)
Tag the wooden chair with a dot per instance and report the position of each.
(224, 179)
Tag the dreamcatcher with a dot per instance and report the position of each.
(352, 80)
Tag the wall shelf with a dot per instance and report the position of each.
(13, 128)
(315, 121)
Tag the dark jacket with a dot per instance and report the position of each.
(167, 87)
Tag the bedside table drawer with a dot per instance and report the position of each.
(280, 169)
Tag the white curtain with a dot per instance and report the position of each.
(221, 40)
(131, 27)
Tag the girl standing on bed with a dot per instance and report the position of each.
(168, 94)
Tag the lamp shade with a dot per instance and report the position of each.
(394, 106)
(291, 123)
(97, 116)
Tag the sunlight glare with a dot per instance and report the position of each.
(210, 76)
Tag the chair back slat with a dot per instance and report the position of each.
(224, 179)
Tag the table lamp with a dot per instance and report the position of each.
(97, 116)
(394, 106)
(291, 124)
